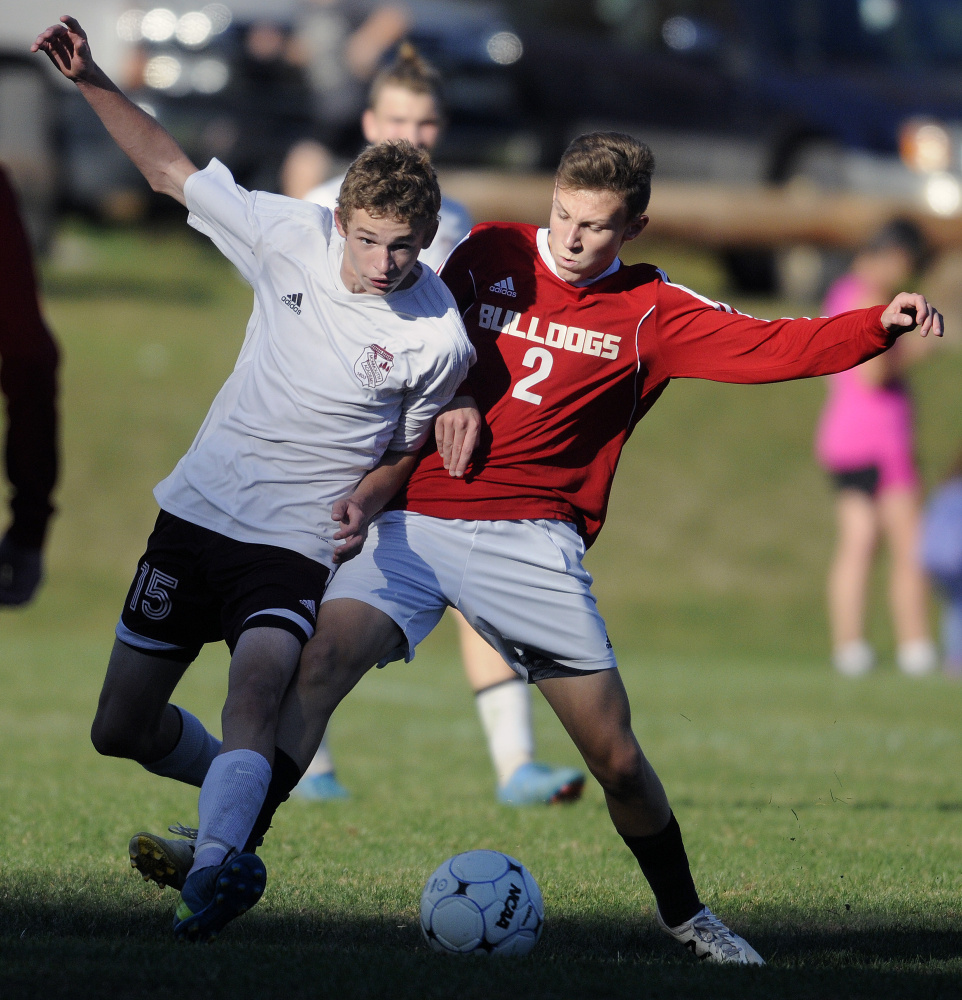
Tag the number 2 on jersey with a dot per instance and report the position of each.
(541, 360)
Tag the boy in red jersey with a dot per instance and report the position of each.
(573, 349)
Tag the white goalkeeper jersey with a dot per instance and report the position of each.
(327, 380)
(454, 221)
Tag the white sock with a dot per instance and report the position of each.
(230, 799)
(505, 711)
(855, 658)
(323, 762)
(193, 754)
(917, 657)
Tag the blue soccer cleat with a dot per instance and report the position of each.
(320, 788)
(539, 784)
(214, 896)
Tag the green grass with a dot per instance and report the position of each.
(821, 816)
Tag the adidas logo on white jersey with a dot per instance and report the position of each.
(504, 287)
(293, 301)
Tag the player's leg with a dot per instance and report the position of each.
(504, 707)
(378, 607)
(900, 517)
(857, 536)
(134, 716)
(160, 632)
(351, 637)
(225, 880)
(267, 598)
(595, 712)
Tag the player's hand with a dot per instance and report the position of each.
(909, 310)
(354, 521)
(21, 570)
(66, 46)
(457, 430)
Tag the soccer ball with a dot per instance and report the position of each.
(482, 903)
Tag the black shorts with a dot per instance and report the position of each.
(864, 480)
(195, 586)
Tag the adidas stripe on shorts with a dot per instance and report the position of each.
(520, 584)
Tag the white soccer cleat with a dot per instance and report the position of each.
(708, 939)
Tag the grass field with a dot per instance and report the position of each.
(822, 817)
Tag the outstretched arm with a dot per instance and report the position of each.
(151, 148)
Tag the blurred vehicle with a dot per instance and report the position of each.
(218, 76)
(845, 95)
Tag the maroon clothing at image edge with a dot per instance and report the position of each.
(28, 380)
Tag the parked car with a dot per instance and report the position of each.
(845, 95)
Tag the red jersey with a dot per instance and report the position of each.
(564, 373)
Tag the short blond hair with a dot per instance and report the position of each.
(609, 161)
(394, 180)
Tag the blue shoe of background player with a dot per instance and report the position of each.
(320, 788)
(539, 784)
(214, 896)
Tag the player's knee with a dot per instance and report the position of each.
(255, 703)
(112, 738)
(619, 768)
(320, 660)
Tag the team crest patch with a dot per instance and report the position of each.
(373, 366)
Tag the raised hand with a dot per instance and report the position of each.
(66, 46)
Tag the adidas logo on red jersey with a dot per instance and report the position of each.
(504, 287)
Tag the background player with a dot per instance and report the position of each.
(28, 380)
(566, 368)
(405, 102)
(333, 393)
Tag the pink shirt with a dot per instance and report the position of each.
(863, 424)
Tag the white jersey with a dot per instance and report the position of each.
(327, 380)
(454, 221)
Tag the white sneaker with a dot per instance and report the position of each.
(917, 658)
(854, 659)
(707, 938)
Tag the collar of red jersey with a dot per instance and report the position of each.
(545, 252)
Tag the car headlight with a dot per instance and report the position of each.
(925, 146)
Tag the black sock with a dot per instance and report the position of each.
(664, 863)
(285, 774)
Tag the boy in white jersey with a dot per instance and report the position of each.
(333, 393)
(568, 363)
(405, 102)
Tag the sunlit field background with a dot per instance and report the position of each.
(822, 816)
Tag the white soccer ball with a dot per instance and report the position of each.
(482, 903)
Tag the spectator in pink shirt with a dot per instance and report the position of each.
(865, 440)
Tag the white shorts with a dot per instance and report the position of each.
(519, 584)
